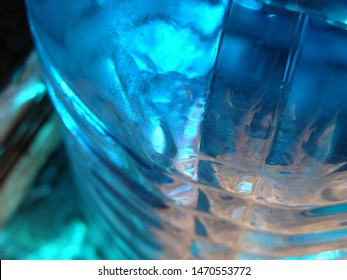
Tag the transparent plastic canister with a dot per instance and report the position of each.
(203, 129)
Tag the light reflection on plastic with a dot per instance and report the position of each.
(78, 105)
(245, 187)
(328, 255)
(158, 137)
(250, 4)
(30, 92)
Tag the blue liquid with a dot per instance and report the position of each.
(203, 128)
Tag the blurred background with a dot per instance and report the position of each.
(40, 216)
